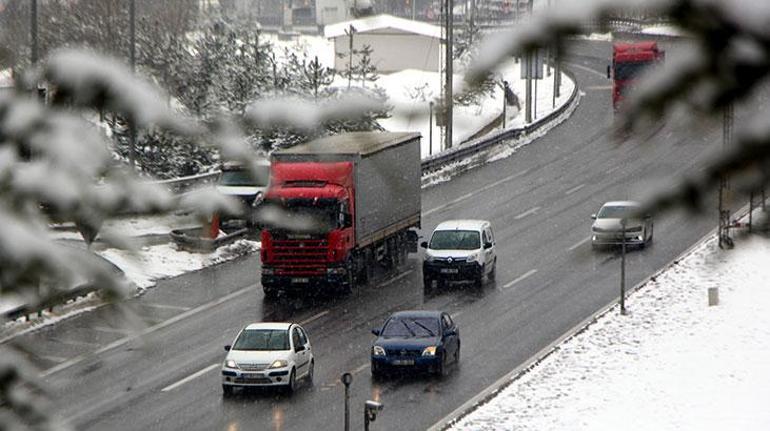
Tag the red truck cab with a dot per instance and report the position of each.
(629, 61)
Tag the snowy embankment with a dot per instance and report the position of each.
(673, 362)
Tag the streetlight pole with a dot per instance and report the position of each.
(623, 268)
(448, 80)
(346, 379)
(131, 120)
(430, 128)
(33, 32)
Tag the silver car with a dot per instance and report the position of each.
(608, 230)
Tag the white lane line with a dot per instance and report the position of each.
(524, 276)
(468, 195)
(188, 378)
(598, 87)
(53, 358)
(396, 278)
(314, 317)
(110, 330)
(360, 368)
(526, 213)
(574, 189)
(579, 243)
(165, 306)
(149, 330)
(588, 69)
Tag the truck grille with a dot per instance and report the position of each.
(306, 257)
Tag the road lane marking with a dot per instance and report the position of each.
(524, 276)
(314, 317)
(588, 69)
(52, 358)
(526, 213)
(598, 87)
(151, 329)
(468, 195)
(360, 368)
(165, 306)
(188, 378)
(110, 330)
(396, 278)
(579, 243)
(574, 189)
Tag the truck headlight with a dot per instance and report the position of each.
(278, 364)
(429, 351)
(231, 364)
(378, 351)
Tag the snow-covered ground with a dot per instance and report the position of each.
(673, 363)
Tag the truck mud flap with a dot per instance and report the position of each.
(411, 241)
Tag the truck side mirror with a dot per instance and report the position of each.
(608, 71)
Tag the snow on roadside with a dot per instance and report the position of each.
(673, 363)
(152, 263)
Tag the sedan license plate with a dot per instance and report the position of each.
(449, 270)
(403, 362)
(300, 280)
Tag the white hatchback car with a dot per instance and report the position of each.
(268, 354)
(460, 250)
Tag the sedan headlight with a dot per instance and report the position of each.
(378, 351)
(279, 364)
(231, 364)
(429, 351)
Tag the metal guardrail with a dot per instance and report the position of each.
(183, 184)
(438, 161)
(26, 310)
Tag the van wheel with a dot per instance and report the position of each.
(427, 284)
(227, 390)
(493, 273)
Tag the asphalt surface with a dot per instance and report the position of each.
(539, 202)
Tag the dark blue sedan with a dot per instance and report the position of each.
(416, 340)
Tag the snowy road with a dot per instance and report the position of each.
(554, 281)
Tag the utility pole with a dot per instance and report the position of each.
(528, 59)
(623, 268)
(724, 188)
(33, 33)
(131, 120)
(430, 128)
(472, 21)
(448, 96)
(350, 32)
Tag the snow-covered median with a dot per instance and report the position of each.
(672, 363)
(149, 264)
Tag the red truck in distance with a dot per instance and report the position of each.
(629, 61)
(337, 206)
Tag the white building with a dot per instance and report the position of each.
(397, 43)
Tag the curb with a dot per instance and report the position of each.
(492, 390)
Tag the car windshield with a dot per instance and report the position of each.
(239, 177)
(262, 339)
(411, 327)
(455, 240)
(615, 211)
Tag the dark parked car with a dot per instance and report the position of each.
(416, 340)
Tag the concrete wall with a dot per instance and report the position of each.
(392, 52)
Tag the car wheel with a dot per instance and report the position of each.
(493, 272)
(376, 372)
(478, 281)
(442, 370)
(457, 354)
(292, 386)
(227, 390)
(310, 371)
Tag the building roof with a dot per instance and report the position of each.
(383, 24)
(476, 225)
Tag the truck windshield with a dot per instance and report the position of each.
(626, 71)
(455, 240)
(242, 177)
(262, 339)
(305, 215)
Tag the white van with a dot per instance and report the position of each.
(459, 250)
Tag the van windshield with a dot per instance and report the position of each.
(242, 177)
(455, 240)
